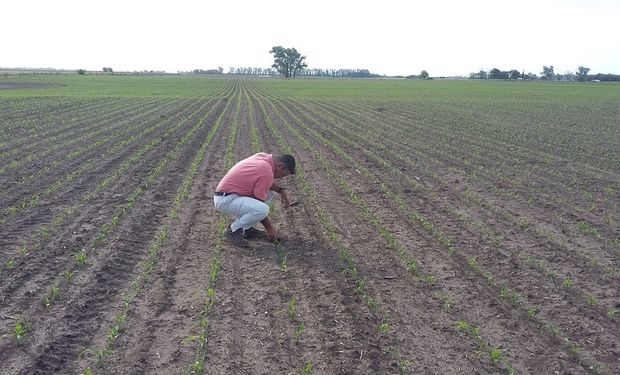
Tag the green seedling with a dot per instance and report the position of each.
(591, 300)
(429, 280)
(45, 301)
(292, 308)
(298, 332)
(113, 334)
(567, 283)
(532, 311)
(10, 264)
(587, 228)
(412, 266)
(68, 275)
(307, 369)
(55, 291)
(197, 367)
(80, 257)
(383, 328)
(22, 327)
(612, 313)
(495, 355)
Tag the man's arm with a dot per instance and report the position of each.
(282, 191)
(271, 232)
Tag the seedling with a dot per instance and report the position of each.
(10, 264)
(532, 311)
(197, 367)
(587, 228)
(298, 332)
(495, 355)
(429, 280)
(68, 275)
(307, 369)
(383, 328)
(612, 313)
(567, 283)
(292, 308)
(22, 327)
(591, 300)
(80, 257)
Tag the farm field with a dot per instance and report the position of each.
(443, 227)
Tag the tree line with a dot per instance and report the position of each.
(547, 73)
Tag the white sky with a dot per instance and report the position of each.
(391, 37)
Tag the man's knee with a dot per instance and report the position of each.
(262, 210)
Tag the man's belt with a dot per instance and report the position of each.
(222, 194)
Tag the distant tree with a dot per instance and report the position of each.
(287, 61)
(569, 76)
(110, 70)
(514, 74)
(424, 74)
(81, 72)
(582, 72)
(547, 72)
(105, 69)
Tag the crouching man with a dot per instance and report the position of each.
(246, 190)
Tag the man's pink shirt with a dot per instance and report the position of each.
(251, 177)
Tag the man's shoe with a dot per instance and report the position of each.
(254, 233)
(237, 238)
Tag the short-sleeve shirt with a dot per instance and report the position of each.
(251, 177)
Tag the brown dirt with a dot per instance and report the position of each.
(250, 329)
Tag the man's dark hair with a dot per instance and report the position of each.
(289, 162)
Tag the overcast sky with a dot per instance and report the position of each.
(391, 37)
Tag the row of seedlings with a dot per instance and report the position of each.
(446, 242)
(162, 237)
(202, 327)
(38, 236)
(349, 264)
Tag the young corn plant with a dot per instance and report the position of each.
(21, 329)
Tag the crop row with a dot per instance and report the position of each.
(59, 132)
(44, 232)
(436, 233)
(139, 282)
(128, 133)
(406, 260)
(361, 168)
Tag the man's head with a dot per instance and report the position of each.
(285, 165)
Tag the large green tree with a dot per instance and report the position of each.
(582, 72)
(287, 61)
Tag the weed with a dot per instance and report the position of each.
(591, 300)
(532, 311)
(612, 313)
(197, 367)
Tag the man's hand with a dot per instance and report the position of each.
(285, 201)
(274, 236)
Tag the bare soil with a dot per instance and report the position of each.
(251, 329)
